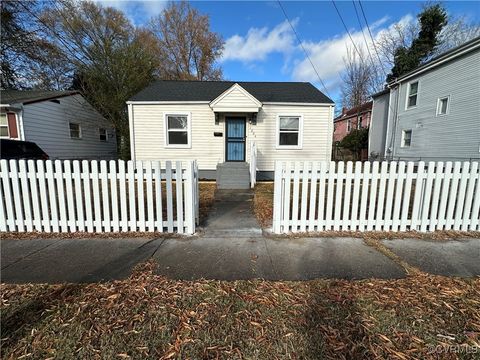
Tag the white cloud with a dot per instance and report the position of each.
(258, 43)
(137, 11)
(328, 55)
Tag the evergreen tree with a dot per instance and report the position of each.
(432, 20)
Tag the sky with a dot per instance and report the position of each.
(260, 44)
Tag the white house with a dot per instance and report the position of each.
(62, 123)
(218, 123)
(431, 113)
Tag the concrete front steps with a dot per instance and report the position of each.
(233, 175)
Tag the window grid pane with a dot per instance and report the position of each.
(177, 138)
(443, 106)
(177, 122)
(3, 120)
(289, 123)
(74, 130)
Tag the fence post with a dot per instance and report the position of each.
(190, 201)
(277, 197)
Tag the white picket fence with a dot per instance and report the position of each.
(103, 196)
(253, 164)
(387, 196)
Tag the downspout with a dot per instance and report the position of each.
(387, 132)
(132, 132)
(395, 123)
(21, 131)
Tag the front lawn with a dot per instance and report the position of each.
(148, 316)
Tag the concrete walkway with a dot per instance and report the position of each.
(230, 247)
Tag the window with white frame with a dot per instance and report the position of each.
(102, 132)
(406, 138)
(442, 105)
(359, 122)
(75, 131)
(289, 131)
(412, 94)
(177, 130)
(4, 126)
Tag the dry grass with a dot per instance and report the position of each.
(148, 316)
(207, 197)
(263, 203)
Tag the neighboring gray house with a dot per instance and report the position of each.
(431, 113)
(218, 122)
(62, 123)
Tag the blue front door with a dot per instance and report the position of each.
(235, 146)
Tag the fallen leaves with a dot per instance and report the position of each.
(149, 316)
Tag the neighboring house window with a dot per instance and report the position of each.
(412, 94)
(442, 106)
(360, 125)
(4, 126)
(349, 125)
(289, 134)
(75, 131)
(177, 128)
(406, 138)
(102, 134)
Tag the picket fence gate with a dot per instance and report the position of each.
(387, 196)
(98, 196)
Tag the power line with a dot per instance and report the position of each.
(348, 32)
(303, 48)
(371, 37)
(363, 34)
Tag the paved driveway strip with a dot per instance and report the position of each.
(451, 258)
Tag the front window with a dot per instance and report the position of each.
(177, 130)
(289, 131)
(406, 138)
(349, 125)
(102, 134)
(4, 126)
(412, 94)
(442, 106)
(75, 131)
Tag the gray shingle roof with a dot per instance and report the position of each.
(171, 90)
(29, 96)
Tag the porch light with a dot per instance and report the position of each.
(217, 118)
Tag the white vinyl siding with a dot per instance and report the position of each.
(47, 124)
(236, 98)
(209, 150)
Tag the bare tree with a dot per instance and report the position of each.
(109, 59)
(187, 47)
(360, 78)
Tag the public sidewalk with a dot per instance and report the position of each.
(230, 247)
